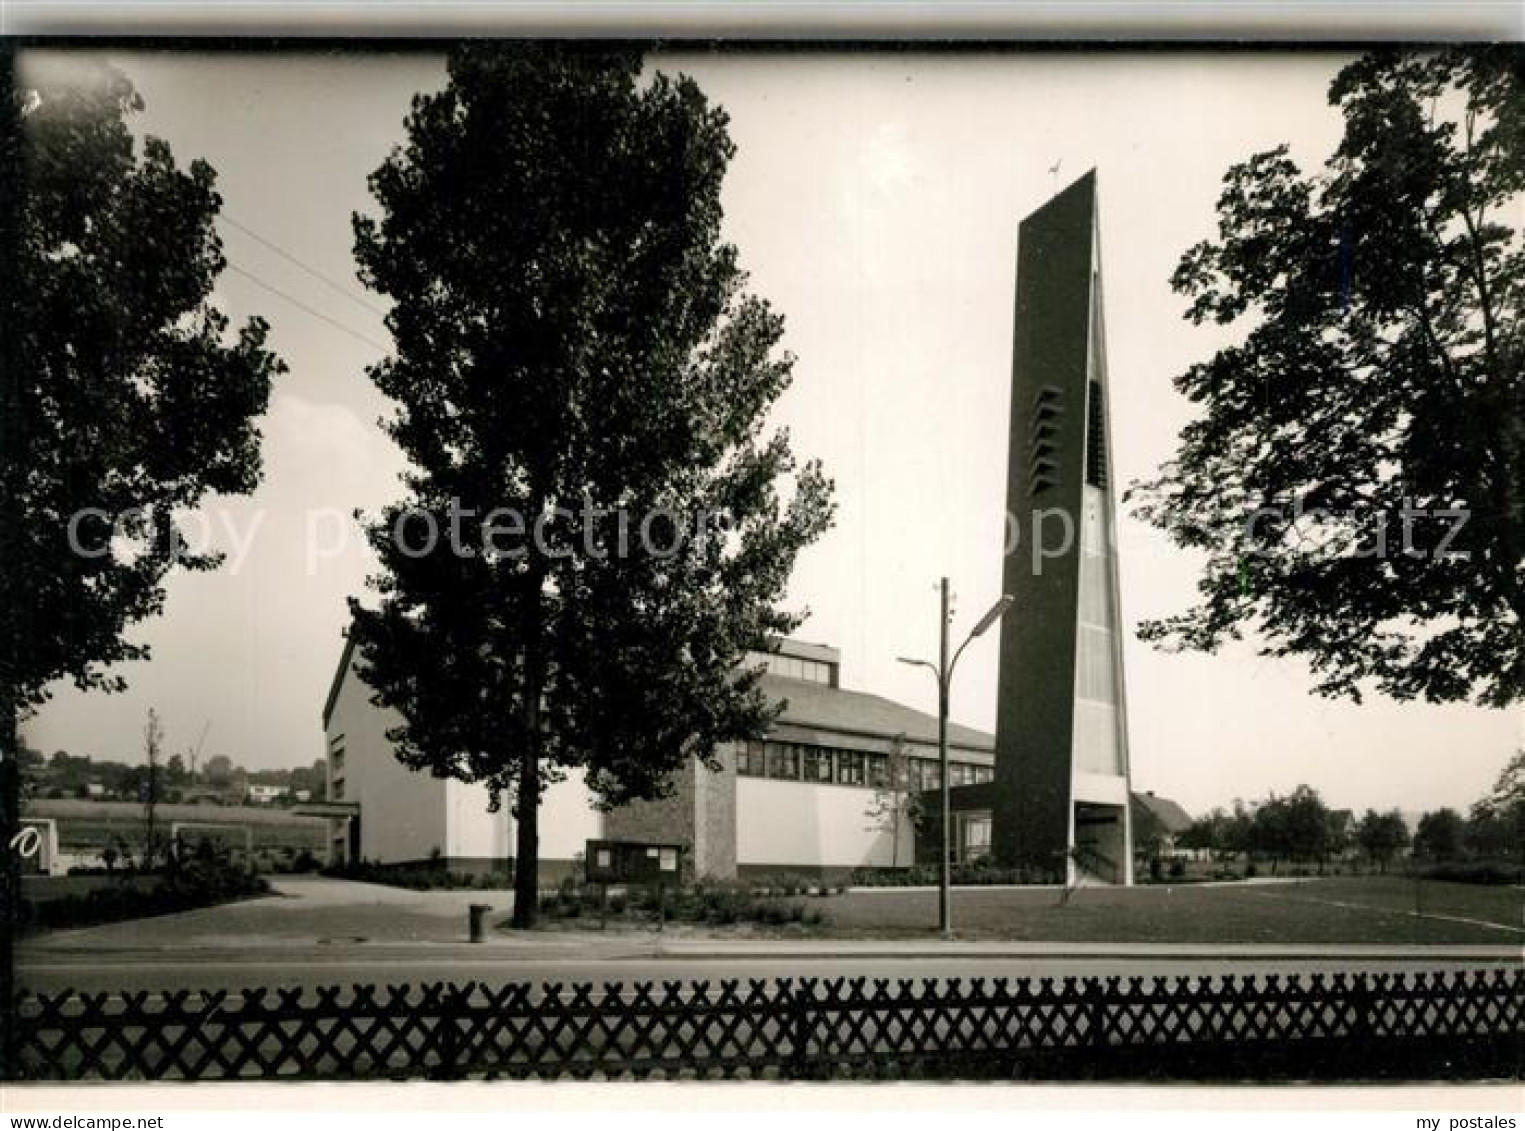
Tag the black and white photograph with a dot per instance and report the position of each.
(610, 561)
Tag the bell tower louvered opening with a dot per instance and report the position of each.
(1043, 440)
(1096, 437)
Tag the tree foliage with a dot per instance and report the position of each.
(1297, 826)
(1439, 834)
(1356, 476)
(575, 350)
(895, 806)
(1381, 835)
(1496, 823)
(130, 399)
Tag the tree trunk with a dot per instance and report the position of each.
(527, 846)
(527, 824)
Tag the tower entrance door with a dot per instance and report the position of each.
(1101, 843)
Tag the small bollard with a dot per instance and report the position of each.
(476, 911)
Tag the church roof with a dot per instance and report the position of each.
(859, 712)
(1163, 811)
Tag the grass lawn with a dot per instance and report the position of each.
(1356, 909)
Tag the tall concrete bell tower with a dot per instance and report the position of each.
(1061, 768)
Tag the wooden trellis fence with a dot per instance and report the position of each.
(1344, 1026)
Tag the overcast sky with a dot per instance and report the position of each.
(875, 200)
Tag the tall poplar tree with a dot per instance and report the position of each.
(582, 382)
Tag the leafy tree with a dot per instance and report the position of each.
(1307, 825)
(1381, 835)
(312, 778)
(121, 396)
(896, 803)
(1356, 477)
(1340, 832)
(576, 354)
(1206, 833)
(218, 771)
(153, 742)
(1496, 825)
(1509, 788)
(133, 402)
(1294, 827)
(1439, 835)
(30, 769)
(1237, 830)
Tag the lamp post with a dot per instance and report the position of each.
(943, 670)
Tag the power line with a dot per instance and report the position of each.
(300, 305)
(313, 271)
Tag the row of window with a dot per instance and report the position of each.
(814, 671)
(793, 761)
(336, 748)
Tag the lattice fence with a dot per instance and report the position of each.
(1426, 1025)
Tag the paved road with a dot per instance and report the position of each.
(316, 931)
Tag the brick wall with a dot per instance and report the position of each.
(699, 814)
(716, 818)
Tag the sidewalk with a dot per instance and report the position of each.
(583, 946)
(1185, 952)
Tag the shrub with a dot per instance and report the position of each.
(1177, 869)
(414, 877)
(1482, 872)
(976, 873)
(209, 877)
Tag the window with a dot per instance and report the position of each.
(973, 835)
(849, 767)
(793, 667)
(925, 774)
(749, 760)
(878, 771)
(783, 761)
(337, 789)
(971, 773)
(818, 764)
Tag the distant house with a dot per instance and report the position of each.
(95, 790)
(1157, 821)
(265, 794)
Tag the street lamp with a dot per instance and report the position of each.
(943, 670)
